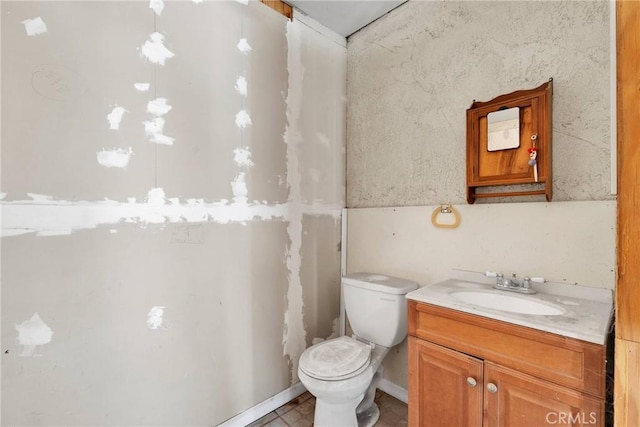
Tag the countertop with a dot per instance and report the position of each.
(587, 311)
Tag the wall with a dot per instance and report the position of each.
(411, 77)
(557, 241)
(413, 74)
(164, 262)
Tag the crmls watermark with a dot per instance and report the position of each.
(569, 418)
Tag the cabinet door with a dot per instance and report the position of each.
(445, 386)
(514, 399)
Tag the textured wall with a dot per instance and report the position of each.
(178, 288)
(413, 74)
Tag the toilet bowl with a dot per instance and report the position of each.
(343, 384)
(343, 373)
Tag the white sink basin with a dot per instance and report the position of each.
(513, 303)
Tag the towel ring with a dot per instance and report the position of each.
(445, 209)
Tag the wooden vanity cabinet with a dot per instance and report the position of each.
(523, 400)
(451, 379)
(467, 370)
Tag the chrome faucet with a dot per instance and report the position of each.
(514, 284)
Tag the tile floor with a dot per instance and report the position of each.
(299, 412)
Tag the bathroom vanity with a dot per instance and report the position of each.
(475, 363)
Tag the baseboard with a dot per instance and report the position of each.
(394, 390)
(263, 408)
(285, 396)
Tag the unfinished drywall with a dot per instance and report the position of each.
(171, 204)
(104, 364)
(413, 73)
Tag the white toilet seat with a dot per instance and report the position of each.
(336, 359)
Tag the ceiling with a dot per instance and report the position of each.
(345, 17)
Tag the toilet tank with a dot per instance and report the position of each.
(376, 306)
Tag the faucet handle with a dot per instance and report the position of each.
(526, 282)
(499, 277)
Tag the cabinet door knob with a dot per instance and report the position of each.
(492, 388)
(471, 381)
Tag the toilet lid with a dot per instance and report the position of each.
(336, 359)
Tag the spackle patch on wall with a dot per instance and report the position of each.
(243, 46)
(239, 188)
(241, 86)
(157, 6)
(243, 119)
(155, 318)
(161, 139)
(242, 157)
(158, 107)
(294, 334)
(33, 333)
(154, 49)
(40, 198)
(142, 87)
(46, 216)
(115, 117)
(116, 158)
(155, 197)
(154, 127)
(34, 26)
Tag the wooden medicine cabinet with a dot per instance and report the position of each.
(509, 144)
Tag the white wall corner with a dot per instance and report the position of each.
(305, 19)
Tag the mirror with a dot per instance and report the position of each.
(501, 134)
(503, 129)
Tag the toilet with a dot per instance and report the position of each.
(343, 373)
